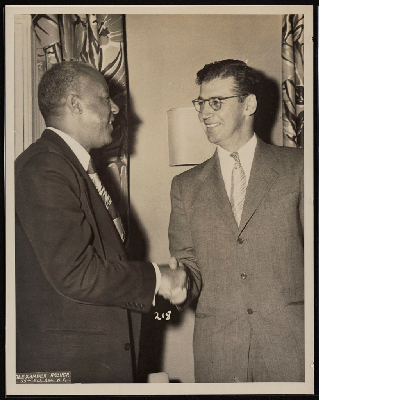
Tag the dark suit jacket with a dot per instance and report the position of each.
(75, 287)
(249, 280)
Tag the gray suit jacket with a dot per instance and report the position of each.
(249, 279)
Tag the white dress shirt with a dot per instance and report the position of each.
(246, 156)
(84, 157)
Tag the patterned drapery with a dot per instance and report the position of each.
(97, 39)
(293, 80)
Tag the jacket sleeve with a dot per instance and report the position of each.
(180, 241)
(49, 208)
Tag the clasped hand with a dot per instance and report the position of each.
(174, 282)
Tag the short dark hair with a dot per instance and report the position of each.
(58, 82)
(246, 78)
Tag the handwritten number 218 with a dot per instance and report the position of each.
(166, 315)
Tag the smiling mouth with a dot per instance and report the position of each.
(210, 127)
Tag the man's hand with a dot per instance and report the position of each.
(173, 286)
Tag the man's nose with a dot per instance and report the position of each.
(114, 107)
(207, 111)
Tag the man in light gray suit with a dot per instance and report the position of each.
(237, 224)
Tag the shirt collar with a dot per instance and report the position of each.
(246, 155)
(82, 155)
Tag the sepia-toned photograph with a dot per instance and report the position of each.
(159, 200)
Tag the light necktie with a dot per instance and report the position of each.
(238, 188)
(106, 199)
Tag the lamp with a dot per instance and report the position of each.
(188, 144)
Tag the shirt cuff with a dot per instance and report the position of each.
(158, 281)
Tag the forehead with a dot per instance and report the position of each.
(94, 82)
(217, 88)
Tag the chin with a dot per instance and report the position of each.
(109, 141)
(212, 138)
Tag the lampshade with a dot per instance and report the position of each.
(188, 143)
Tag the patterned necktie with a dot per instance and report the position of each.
(106, 199)
(238, 188)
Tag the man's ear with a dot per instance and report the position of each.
(74, 104)
(251, 104)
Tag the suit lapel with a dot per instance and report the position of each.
(60, 146)
(213, 188)
(99, 212)
(262, 177)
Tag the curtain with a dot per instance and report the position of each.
(98, 39)
(293, 80)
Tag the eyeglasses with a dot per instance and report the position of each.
(214, 102)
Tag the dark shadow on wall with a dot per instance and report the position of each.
(154, 323)
(137, 247)
(136, 243)
(152, 336)
(151, 346)
(268, 101)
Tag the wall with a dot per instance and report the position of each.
(164, 52)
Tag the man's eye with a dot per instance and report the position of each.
(200, 103)
(215, 102)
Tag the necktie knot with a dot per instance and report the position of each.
(235, 156)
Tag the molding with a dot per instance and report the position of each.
(29, 123)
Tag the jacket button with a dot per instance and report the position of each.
(249, 311)
(240, 240)
(127, 346)
(243, 276)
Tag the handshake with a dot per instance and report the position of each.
(174, 283)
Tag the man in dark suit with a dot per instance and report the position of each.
(237, 224)
(78, 296)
